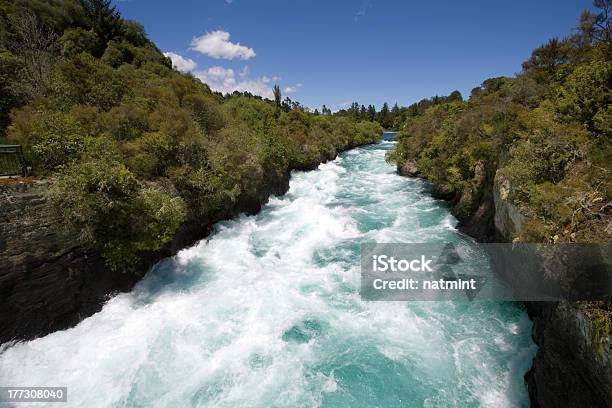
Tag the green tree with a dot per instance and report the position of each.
(597, 27)
(396, 115)
(105, 21)
(384, 116)
(277, 96)
(371, 113)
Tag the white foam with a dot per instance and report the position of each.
(254, 315)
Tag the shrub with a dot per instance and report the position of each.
(55, 138)
(586, 92)
(86, 81)
(150, 154)
(117, 53)
(126, 121)
(97, 200)
(206, 112)
(77, 40)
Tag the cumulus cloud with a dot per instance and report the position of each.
(245, 71)
(292, 88)
(217, 45)
(181, 63)
(224, 80)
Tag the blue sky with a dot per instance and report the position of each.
(335, 52)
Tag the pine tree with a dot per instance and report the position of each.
(363, 113)
(277, 96)
(371, 113)
(384, 117)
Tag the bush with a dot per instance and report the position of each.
(86, 81)
(77, 40)
(117, 53)
(54, 138)
(126, 121)
(97, 200)
(206, 112)
(585, 93)
(149, 155)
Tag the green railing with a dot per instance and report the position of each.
(12, 162)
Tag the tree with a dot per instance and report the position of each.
(395, 113)
(287, 104)
(547, 57)
(277, 96)
(363, 113)
(597, 27)
(37, 47)
(384, 117)
(104, 20)
(455, 96)
(371, 113)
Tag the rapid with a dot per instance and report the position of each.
(266, 312)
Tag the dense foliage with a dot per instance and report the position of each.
(544, 137)
(134, 146)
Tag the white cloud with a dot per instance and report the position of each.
(245, 71)
(181, 63)
(292, 88)
(276, 78)
(217, 45)
(224, 80)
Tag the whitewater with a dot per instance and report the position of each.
(266, 312)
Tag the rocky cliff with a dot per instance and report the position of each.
(568, 369)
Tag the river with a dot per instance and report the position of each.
(266, 313)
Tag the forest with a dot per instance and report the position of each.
(133, 147)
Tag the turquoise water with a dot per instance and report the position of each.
(389, 136)
(266, 313)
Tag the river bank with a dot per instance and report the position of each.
(569, 369)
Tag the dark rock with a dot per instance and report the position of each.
(567, 371)
(508, 219)
(408, 169)
(478, 225)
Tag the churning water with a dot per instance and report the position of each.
(266, 313)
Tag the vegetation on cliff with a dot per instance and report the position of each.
(544, 134)
(136, 147)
